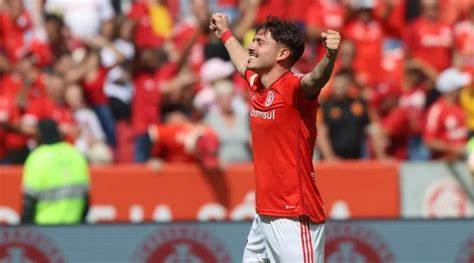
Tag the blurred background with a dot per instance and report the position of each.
(148, 97)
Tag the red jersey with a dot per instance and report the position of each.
(12, 34)
(396, 21)
(430, 42)
(145, 104)
(94, 88)
(446, 122)
(283, 128)
(297, 10)
(185, 142)
(144, 34)
(44, 107)
(396, 126)
(325, 15)
(278, 8)
(367, 38)
(464, 36)
(9, 114)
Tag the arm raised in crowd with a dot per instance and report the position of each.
(238, 54)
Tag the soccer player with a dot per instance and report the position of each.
(289, 226)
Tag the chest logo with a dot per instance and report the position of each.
(269, 99)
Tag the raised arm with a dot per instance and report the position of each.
(314, 81)
(238, 54)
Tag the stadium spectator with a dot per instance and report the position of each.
(146, 100)
(367, 35)
(394, 121)
(15, 22)
(416, 84)
(343, 121)
(154, 23)
(181, 140)
(464, 37)
(231, 123)
(90, 132)
(446, 133)
(55, 180)
(50, 105)
(428, 39)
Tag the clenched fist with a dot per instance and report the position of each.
(331, 40)
(219, 23)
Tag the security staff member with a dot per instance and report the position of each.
(55, 181)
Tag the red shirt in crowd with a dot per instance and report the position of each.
(144, 34)
(147, 97)
(12, 31)
(278, 8)
(464, 36)
(367, 38)
(395, 23)
(396, 126)
(145, 104)
(185, 142)
(326, 14)
(431, 42)
(297, 10)
(44, 107)
(10, 115)
(94, 88)
(446, 122)
(283, 128)
(414, 101)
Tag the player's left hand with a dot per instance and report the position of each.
(331, 40)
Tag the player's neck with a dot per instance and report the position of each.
(269, 77)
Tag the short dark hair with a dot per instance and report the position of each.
(286, 33)
(54, 18)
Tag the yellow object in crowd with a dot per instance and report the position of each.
(467, 102)
(161, 20)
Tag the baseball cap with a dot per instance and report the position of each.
(452, 79)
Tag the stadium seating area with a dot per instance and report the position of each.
(145, 80)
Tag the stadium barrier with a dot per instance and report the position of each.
(351, 190)
(222, 242)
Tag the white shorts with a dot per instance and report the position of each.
(281, 239)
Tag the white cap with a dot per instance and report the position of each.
(452, 79)
(214, 69)
(363, 4)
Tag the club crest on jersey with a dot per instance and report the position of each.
(269, 99)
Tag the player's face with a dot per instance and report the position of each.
(263, 51)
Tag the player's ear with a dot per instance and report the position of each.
(283, 54)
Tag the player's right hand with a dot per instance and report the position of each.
(219, 23)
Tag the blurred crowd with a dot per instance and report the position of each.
(145, 80)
